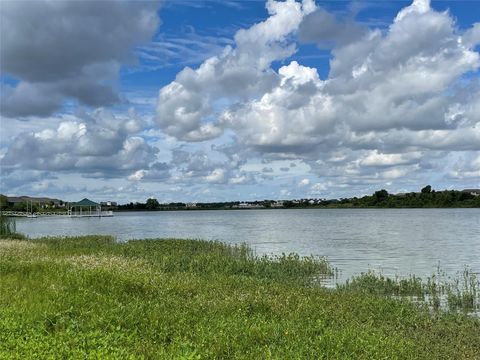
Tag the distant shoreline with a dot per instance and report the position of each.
(426, 198)
(300, 208)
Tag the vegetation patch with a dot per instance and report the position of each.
(438, 292)
(90, 297)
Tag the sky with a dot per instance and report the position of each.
(226, 100)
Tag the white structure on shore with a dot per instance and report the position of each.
(87, 208)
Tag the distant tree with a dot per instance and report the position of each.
(381, 195)
(25, 206)
(267, 203)
(427, 189)
(3, 202)
(465, 196)
(152, 204)
(20, 206)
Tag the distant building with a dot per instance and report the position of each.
(191, 205)
(247, 206)
(42, 202)
(277, 204)
(474, 192)
(109, 204)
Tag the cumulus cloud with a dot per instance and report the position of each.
(304, 182)
(216, 176)
(327, 31)
(466, 168)
(291, 115)
(397, 84)
(156, 172)
(68, 49)
(392, 100)
(398, 105)
(186, 107)
(221, 165)
(374, 158)
(318, 188)
(98, 145)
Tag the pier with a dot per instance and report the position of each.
(50, 214)
(80, 209)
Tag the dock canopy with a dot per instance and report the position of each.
(85, 202)
(85, 207)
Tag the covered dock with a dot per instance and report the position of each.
(87, 208)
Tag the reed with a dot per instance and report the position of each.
(439, 292)
(8, 227)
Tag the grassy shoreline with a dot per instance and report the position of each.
(90, 297)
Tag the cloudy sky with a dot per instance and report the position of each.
(213, 100)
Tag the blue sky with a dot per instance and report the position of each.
(190, 100)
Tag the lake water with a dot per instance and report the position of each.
(393, 241)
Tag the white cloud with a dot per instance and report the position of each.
(399, 105)
(98, 145)
(467, 168)
(374, 158)
(239, 179)
(137, 175)
(285, 192)
(304, 182)
(216, 176)
(397, 98)
(186, 106)
(318, 188)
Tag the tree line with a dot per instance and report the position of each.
(426, 198)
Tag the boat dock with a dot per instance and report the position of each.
(81, 209)
(50, 214)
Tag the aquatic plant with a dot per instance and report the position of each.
(439, 292)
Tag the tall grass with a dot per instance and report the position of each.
(439, 292)
(7, 226)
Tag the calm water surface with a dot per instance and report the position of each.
(394, 241)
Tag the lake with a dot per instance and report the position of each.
(393, 241)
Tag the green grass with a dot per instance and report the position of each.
(89, 297)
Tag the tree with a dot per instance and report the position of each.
(3, 202)
(152, 204)
(25, 206)
(427, 189)
(381, 195)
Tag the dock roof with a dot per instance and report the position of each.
(85, 202)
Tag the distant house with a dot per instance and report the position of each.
(191, 205)
(277, 204)
(42, 202)
(109, 204)
(474, 192)
(245, 205)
